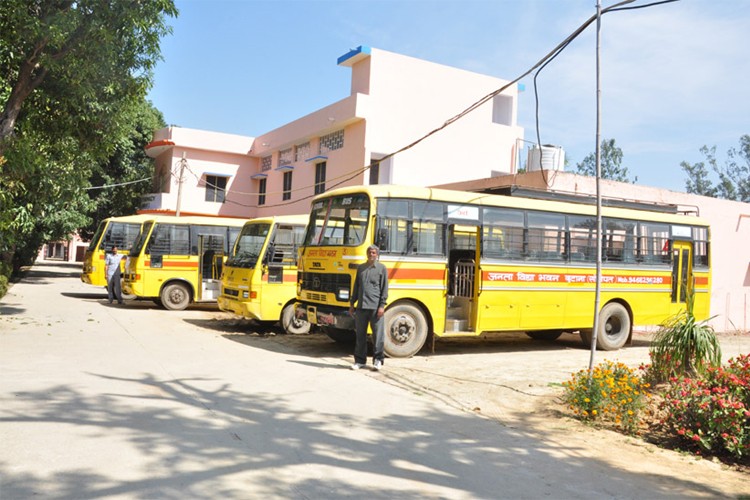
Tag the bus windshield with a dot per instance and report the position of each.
(340, 220)
(249, 245)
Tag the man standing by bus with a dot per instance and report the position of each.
(370, 293)
(112, 268)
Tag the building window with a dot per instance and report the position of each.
(265, 163)
(302, 151)
(262, 192)
(334, 140)
(287, 186)
(216, 187)
(320, 177)
(285, 157)
(502, 109)
(374, 172)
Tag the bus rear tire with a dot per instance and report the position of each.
(291, 323)
(614, 328)
(175, 296)
(547, 335)
(405, 330)
(339, 335)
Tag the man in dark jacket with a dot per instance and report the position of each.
(370, 294)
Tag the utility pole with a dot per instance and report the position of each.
(598, 155)
(183, 161)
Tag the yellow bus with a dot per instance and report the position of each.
(464, 263)
(178, 260)
(113, 231)
(260, 276)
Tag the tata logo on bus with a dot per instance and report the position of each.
(463, 212)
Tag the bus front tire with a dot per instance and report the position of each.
(405, 330)
(175, 296)
(614, 328)
(291, 323)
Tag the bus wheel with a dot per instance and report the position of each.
(548, 335)
(614, 327)
(339, 335)
(405, 330)
(175, 297)
(291, 323)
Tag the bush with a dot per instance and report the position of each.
(3, 285)
(612, 392)
(683, 346)
(712, 413)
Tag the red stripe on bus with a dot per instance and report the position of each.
(399, 273)
(614, 279)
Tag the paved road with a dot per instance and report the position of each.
(133, 401)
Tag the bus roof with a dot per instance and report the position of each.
(494, 200)
(283, 219)
(196, 219)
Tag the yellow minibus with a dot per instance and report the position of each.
(178, 260)
(259, 280)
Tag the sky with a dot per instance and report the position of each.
(673, 77)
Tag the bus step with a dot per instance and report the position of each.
(456, 325)
(455, 312)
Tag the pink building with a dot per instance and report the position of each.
(394, 99)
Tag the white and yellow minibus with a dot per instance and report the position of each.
(259, 280)
(119, 232)
(178, 260)
(463, 263)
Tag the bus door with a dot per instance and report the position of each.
(682, 271)
(210, 261)
(462, 285)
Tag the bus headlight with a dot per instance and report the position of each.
(343, 294)
(245, 294)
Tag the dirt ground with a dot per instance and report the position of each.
(514, 380)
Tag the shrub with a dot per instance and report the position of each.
(3, 285)
(683, 346)
(712, 413)
(611, 392)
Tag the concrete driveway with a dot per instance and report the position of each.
(102, 401)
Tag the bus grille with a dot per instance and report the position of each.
(317, 297)
(325, 282)
(231, 292)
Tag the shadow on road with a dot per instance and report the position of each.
(194, 440)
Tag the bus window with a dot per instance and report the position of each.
(546, 236)
(618, 244)
(503, 233)
(582, 230)
(392, 226)
(700, 247)
(653, 243)
(428, 228)
(170, 239)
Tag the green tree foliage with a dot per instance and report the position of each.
(733, 177)
(611, 164)
(127, 174)
(73, 80)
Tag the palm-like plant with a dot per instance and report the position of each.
(684, 346)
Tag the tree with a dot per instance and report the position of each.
(611, 164)
(72, 73)
(734, 176)
(84, 55)
(128, 170)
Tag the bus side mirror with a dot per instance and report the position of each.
(268, 256)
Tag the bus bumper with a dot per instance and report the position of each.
(250, 310)
(322, 315)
